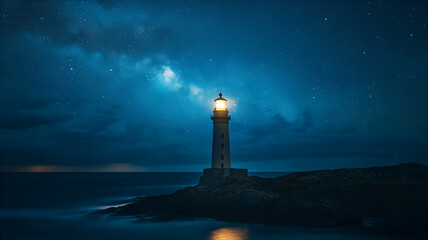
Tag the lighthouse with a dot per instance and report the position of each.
(221, 167)
(221, 145)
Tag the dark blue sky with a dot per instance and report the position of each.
(129, 86)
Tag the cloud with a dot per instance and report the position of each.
(348, 129)
(24, 111)
(168, 78)
(98, 120)
(197, 92)
(317, 147)
(27, 119)
(282, 140)
(91, 26)
(305, 123)
(278, 125)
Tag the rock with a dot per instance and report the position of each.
(328, 198)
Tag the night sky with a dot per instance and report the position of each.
(129, 86)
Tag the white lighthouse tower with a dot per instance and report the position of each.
(221, 145)
(220, 162)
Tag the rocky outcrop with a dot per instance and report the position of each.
(329, 198)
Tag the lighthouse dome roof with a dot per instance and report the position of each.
(220, 98)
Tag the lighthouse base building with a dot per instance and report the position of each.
(215, 176)
(220, 164)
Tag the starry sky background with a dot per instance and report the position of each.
(129, 85)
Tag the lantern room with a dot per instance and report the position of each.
(220, 104)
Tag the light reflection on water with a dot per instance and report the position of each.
(229, 233)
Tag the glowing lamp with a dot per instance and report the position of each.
(220, 104)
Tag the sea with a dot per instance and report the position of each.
(58, 206)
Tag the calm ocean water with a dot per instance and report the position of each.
(55, 205)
